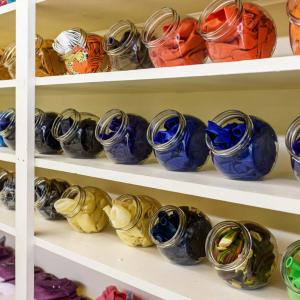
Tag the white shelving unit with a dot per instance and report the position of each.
(276, 199)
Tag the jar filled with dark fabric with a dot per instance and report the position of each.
(45, 143)
(8, 128)
(180, 233)
(242, 147)
(124, 137)
(8, 192)
(76, 133)
(178, 141)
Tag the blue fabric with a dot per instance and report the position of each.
(132, 147)
(255, 160)
(2, 143)
(296, 147)
(188, 153)
(10, 139)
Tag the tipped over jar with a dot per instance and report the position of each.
(243, 253)
(242, 147)
(8, 128)
(236, 30)
(293, 11)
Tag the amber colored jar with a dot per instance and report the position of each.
(293, 11)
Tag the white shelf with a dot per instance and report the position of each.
(273, 73)
(5, 84)
(7, 155)
(144, 269)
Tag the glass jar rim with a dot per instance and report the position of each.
(290, 249)
(159, 120)
(153, 21)
(180, 230)
(220, 120)
(220, 227)
(39, 115)
(227, 26)
(104, 123)
(114, 30)
(4, 175)
(291, 135)
(295, 20)
(40, 199)
(11, 113)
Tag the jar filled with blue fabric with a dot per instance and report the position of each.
(124, 137)
(47, 192)
(292, 141)
(8, 192)
(76, 133)
(178, 141)
(180, 234)
(242, 147)
(8, 128)
(45, 143)
(124, 47)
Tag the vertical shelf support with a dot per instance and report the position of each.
(25, 104)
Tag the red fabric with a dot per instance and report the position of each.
(112, 293)
(295, 30)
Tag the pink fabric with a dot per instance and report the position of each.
(112, 293)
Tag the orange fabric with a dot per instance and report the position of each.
(184, 47)
(295, 31)
(254, 36)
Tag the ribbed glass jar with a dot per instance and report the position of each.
(178, 141)
(173, 40)
(8, 192)
(293, 11)
(8, 128)
(123, 137)
(130, 216)
(236, 30)
(242, 147)
(180, 233)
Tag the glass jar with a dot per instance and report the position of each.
(293, 11)
(173, 40)
(124, 137)
(8, 128)
(123, 45)
(242, 147)
(235, 30)
(290, 270)
(130, 216)
(178, 141)
(243, 253)
(8, 63)
(76, 133)
(180, 233)
(292, 141)
(83, 208)
(8, 192)
(82, 52)
(47, 192)
(45, 143)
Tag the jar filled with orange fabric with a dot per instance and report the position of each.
(173, 40)
(82, 52)
(237, 30)
(293, 11)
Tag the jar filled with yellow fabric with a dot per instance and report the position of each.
(130, 216)
(83, 208)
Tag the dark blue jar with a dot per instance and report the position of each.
(292, 141)
(242, 147)
(45, 143)
(124, 137)
(76, 133)
(8, 128)
(178, 141)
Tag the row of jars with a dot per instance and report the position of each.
(243, 253)
(242, 147)
(227, 30)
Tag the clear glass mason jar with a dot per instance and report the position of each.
(178, 141)
(235, 30)
(123, 137)
(4, 176)
(76, 133)
(83, 208)
(173, 40)
(242, 147)
(290, 270)
(180, 233)
(292, 141)
(293, 11)
(8, 192)
(8, 127)
(45, 143)
(130, 216)
(47, 192)
(82, 52)
(243, 253)
(123, 45)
